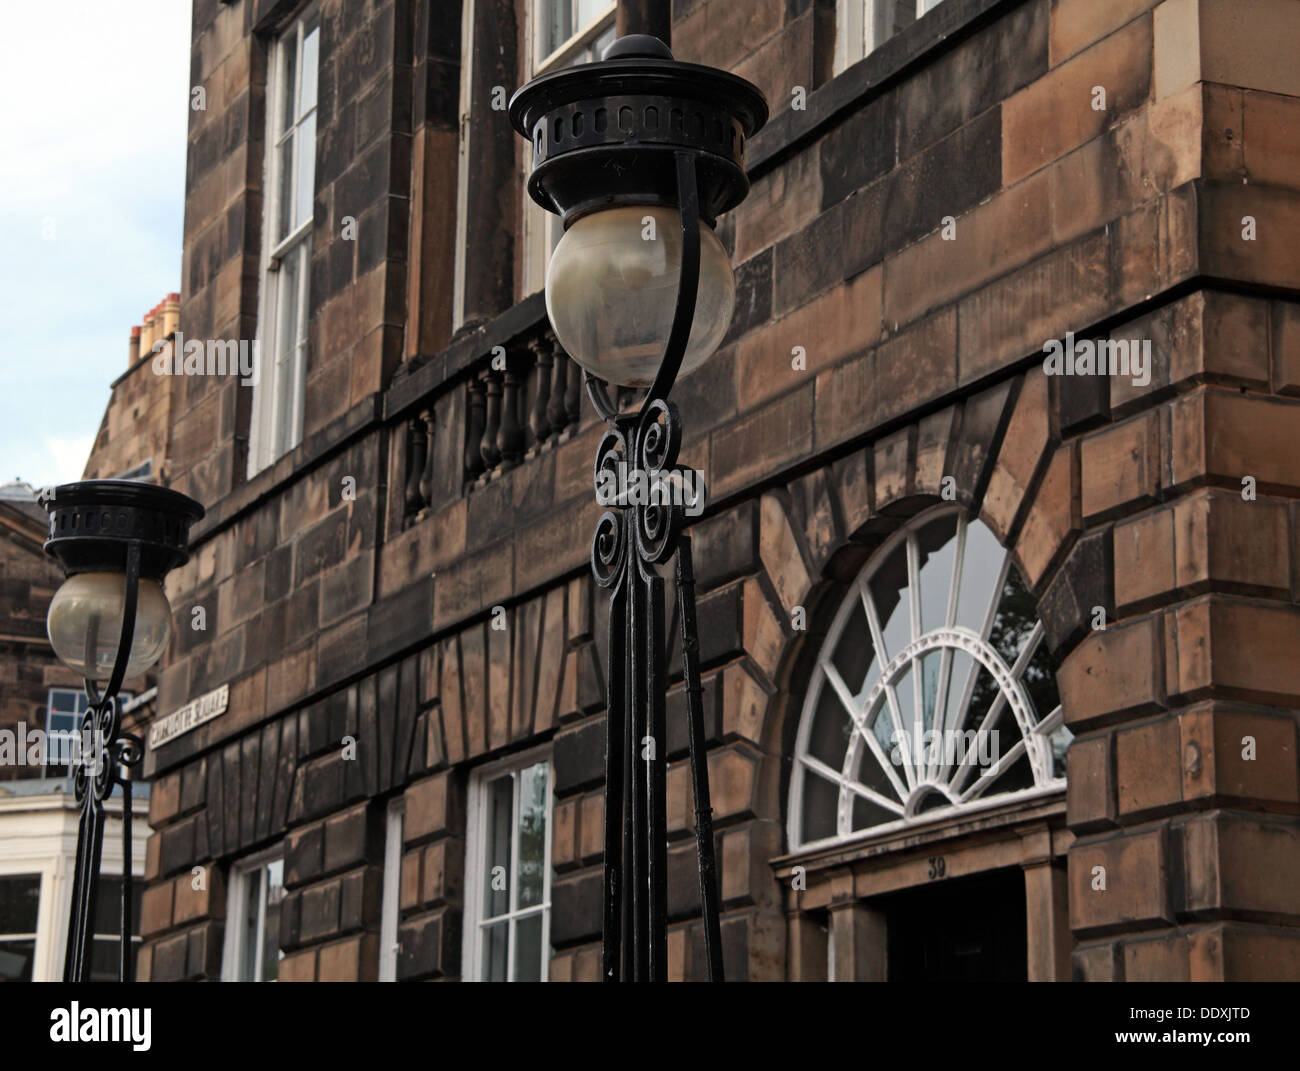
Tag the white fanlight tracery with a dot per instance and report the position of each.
(933, 692)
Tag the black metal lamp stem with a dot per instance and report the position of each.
(104, 758)
(708, 866)
(631, 542)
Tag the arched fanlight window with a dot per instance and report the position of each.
(934, 691)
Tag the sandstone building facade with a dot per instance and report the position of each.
(910, 524)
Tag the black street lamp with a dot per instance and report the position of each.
(115, 540)
(634, 153)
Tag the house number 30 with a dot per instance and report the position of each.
(937, 867)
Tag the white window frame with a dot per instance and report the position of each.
(567, 51)
(862, 26)
(391, 908)
(35, 936)
(542, 229)
(275, 426)
(82, 703)
(946, 638)
(475, 854)
(236, 904)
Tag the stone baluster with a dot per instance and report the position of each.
(511, 438)
(556, 414)
(417, 448)
(572, 397)
(426, 476)
(488, 445)
(538, 420)
(476, 421)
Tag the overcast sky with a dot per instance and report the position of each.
(92, 183)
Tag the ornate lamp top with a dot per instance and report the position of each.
(605, 133)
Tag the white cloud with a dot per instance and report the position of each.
(52, 460)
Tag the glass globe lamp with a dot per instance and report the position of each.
(611, 288)
(98, 528)
(85, 624)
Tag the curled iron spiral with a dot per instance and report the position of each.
(659, 435)
(608, 544)
(659, 521)
(104, 749)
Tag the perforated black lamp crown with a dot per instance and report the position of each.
(116, 540)
(639, 154)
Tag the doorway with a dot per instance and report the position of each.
(964, 930)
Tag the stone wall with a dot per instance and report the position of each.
(912, 238)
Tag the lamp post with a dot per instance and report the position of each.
(115, 540)
(639, 154)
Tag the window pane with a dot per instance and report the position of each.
(958, 676)
(310, 60)
(64, 700)
(286, 297)
(248, 939)
(821, 802)
(533, 791)
(16, 960)
(930, 665)
(828, 739)
(19, 899)
(589, 10)
(1015, 620)
(289, 79)
(105, 958)
(1060, 744)
(557, 23)
(905, 692)
(891, 594)
(271, 954)
(1039, 680)
(108, 907)
(936, 548)
(854, 653)
(62, 726)
(528, 949)
(881, 724)
(494, 951)
(63, 723)
(496, 876)
(867, 814)
(284, 209)
(306, 174)
(981, 564)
